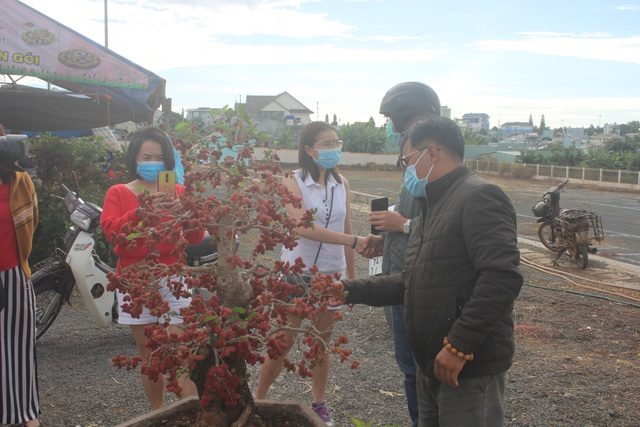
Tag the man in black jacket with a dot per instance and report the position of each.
(460, 280)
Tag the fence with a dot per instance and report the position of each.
(600, 177)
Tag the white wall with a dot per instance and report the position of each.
(348, 158)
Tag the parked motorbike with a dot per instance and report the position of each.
(571, 231)
(77, 264)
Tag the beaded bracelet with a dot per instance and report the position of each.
(355, 242)
(452, 349)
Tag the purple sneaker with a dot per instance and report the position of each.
(323, 412)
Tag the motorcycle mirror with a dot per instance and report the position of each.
(75, 178)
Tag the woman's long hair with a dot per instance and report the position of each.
(306, 163)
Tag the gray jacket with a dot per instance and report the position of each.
(395, 244)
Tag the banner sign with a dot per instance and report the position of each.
(33, 44)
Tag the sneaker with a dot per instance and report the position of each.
(323, 412)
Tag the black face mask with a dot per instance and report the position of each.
(12, 149)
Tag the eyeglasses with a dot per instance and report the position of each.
(326, 145)
(402, 160)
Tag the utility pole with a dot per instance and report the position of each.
(106, 26)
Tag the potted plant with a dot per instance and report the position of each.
(233, 197)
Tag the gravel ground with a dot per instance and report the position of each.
(576, 363)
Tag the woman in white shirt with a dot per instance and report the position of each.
(330, 244)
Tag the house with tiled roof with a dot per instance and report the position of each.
(272, 112)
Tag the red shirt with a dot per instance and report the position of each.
(119, 207)
(8, 241)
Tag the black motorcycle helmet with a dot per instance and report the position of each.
(406, 101)
(12, 150)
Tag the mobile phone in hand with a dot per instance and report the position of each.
(167, 182)
(380, 204)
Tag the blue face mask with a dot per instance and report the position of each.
(148, 171)
(328, 159)
(415, 185)
(392, 135)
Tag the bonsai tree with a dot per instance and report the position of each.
(235, 198)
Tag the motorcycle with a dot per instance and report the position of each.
(76, 264)
(571, 231)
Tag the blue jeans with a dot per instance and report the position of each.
(405, 360)
(476, 402)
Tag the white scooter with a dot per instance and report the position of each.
(78, 264)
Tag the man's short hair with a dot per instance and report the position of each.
(444, 131)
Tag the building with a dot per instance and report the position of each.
(273, 112)
(476, 121)
(445, 111)
(575, 133)
(515, 128)
(203, 114)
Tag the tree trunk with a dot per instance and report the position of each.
(217, 414)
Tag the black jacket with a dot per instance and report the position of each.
(461, 275)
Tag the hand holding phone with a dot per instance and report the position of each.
(381, 204)
(167, 182)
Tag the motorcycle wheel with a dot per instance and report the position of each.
(582, 255)
(547, 237)
(48, 304)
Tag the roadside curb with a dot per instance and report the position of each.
(622, 267)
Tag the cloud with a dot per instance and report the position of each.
(598, 46)
(390, 39)
(625, 7)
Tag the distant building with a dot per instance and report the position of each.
(273, 112)
(611, 128)
(605, 137)
(515, 128)
(445, 111)
(575, 133)
(476, 121)
(204, 114)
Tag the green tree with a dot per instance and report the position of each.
(362, 137)
(173, 119)
(326, 118)
(83, 165)
(622, 145)
(634, 163)
(631, 127)
(287, 139)
(472, 137)
(542, 125)
(335, 121)
(530, 119)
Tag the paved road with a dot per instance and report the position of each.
(620, 211)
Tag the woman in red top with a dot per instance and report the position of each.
(149, 152)
(19, 402)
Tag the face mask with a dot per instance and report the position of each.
(392, 135)
(148, 171)
(415, 185)
(328, 159)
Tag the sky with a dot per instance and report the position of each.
(575, 61)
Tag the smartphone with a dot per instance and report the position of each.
(167, 182)
(380, 204)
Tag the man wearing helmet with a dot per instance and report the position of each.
(404, 104)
